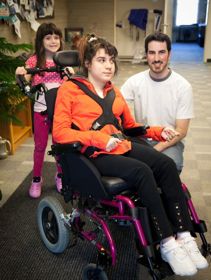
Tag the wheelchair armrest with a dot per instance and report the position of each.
(136, 131)
(58, 149)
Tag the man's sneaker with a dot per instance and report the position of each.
(191, 247)
(58, 181)
(35, 188)
(177, 258)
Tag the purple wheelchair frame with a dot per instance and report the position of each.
(119, 204)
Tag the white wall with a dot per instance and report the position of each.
(27, 34)
(168, 17)
(101, 16)
(207, 45)
(95, 16)
(125, 37)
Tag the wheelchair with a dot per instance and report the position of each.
(97, 202)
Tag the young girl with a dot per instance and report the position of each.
(47, 42)
(142, 167)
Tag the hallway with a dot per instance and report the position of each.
(187, 52)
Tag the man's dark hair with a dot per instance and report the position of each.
(159, 37)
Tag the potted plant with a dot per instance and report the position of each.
(10, 94)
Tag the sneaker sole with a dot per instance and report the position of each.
(176, 273)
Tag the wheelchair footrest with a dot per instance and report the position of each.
(201, 227)
(157, 267)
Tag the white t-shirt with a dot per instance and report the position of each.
(159, 102)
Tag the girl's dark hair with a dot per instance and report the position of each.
(160, 37)
(89, 45)
(43, 30)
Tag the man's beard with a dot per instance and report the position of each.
(161, 66)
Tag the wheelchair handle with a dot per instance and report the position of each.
(62, 59)
(24, 85)
(37, 70)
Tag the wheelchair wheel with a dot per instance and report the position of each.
(94, 272)
(54, 233)
(142, 272)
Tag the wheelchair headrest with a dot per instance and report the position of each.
(67, 58)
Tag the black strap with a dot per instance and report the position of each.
(106, 104)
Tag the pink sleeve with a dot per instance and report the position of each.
(31, 61)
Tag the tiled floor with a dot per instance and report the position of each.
(197, 171)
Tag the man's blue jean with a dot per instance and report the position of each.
(175, 152)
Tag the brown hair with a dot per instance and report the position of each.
(89, 45)
(43, 30)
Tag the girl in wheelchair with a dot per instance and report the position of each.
(91, 110)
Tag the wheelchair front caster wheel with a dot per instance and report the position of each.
(94, 272)
(142, 272)
(53, 231)
(206, 250)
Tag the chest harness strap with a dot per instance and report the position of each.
(107, 117)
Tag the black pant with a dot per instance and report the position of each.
(145, 169)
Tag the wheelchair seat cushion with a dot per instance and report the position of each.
(114, 185)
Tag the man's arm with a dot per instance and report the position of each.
(181, 128)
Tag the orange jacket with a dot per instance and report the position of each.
(73, 106)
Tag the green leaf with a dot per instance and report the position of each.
(10, 94)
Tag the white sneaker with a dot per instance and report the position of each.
(177, 258)
(191, 247)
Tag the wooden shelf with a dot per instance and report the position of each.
(18, 134)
